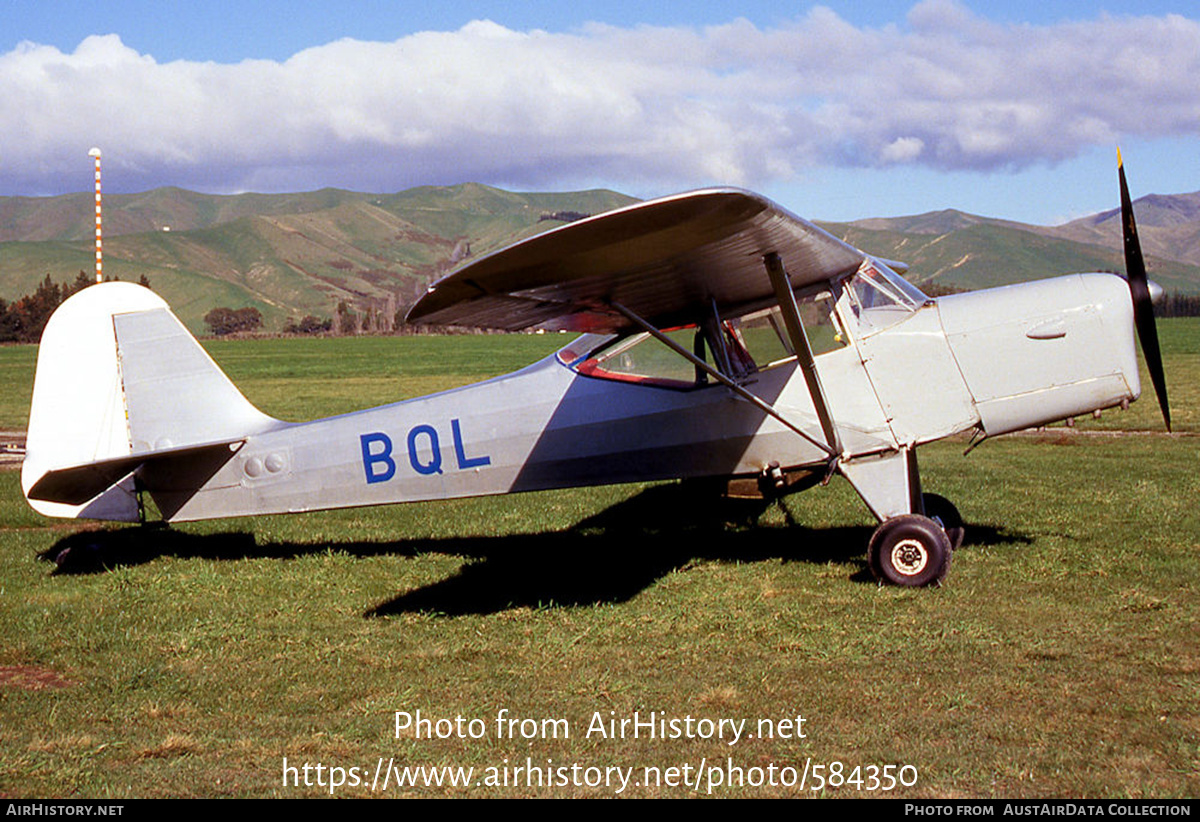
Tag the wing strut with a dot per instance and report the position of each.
(721, 378)
(804, 356)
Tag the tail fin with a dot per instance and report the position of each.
(119, 381)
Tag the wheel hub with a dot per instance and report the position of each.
(909, 557)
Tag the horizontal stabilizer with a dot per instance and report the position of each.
(80, 483)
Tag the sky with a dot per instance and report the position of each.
(838, 111)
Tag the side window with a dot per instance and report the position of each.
(646, 360)
(643, 359)
(736, 348)
(767, 338)
(821, 324)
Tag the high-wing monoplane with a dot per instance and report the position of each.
(722, 338)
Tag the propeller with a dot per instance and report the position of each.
(1139, 290)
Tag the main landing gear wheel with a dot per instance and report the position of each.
(941, 510)
(909, 550)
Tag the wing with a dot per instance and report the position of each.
(666, 260)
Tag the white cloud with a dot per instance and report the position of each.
(902, 150)
(640, 108)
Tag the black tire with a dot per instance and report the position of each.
(941, 510)
(909, 550)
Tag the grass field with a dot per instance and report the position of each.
(1061, 657)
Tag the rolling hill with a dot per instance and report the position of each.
(1169, 226)
(287, 255)
(968, 251)
(290, 255)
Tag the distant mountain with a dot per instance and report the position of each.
(933, 222)
(1157, 210)
(968, 251)
(295, 254)
(1169, 226)
(286, 254)
(71, 216)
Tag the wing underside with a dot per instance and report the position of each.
(664, 260)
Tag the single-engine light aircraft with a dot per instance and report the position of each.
(722, 338)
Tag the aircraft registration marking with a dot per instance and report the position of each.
(424, 452)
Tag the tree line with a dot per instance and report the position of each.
(24, 320)
(1178, 305)
(222, 321)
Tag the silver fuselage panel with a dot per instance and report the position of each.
(543, 427)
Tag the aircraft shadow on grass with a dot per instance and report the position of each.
(608, 557)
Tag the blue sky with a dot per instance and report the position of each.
(227, 31)
(838, 111)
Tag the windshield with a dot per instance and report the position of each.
(879, 297)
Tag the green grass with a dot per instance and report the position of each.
(304, 379)
(1061, 657)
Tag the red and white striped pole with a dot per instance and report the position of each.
(95, 153)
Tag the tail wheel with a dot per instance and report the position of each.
(909, 550)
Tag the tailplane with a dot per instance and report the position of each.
(120, 382)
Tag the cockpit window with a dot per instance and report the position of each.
(767, 338)
(736, 348)
(643, 359)
(880, 298)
